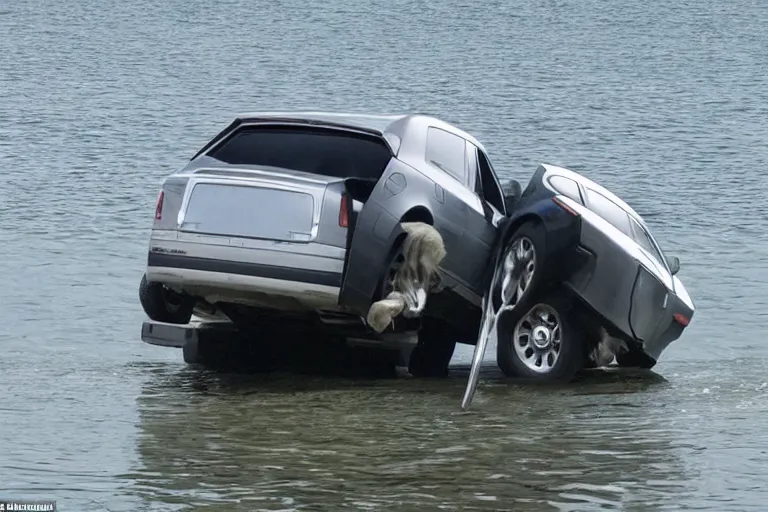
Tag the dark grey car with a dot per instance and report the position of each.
(295, 217)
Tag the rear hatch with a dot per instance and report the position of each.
(284, 181)
(252, 208)
(263, 204)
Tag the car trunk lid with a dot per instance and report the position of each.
(252, 205)
(272, 205)
(249, 211)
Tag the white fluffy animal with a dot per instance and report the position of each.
(423, 251)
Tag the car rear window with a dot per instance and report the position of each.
(308, 149)
(643, 239)
(608, 210)
(622, 221)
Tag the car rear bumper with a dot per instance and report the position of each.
(321, 278)
(629, 301)
(230, 269)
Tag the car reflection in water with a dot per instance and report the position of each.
(228, 441)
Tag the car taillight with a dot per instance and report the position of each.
(559, 202)
(343, 215)
(681, 319)
(159, 206)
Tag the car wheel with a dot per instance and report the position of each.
(164, 305)
(635, 358)
(394, 262)
(521, 267)
(542, 342)
(434, 350)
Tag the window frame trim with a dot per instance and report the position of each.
(466, 178)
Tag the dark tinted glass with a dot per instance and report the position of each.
(490, 189)
(446, 151)
(321, 151)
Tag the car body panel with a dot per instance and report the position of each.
(412, 182)
(630, 287)
(193, 248)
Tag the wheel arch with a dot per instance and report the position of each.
(418, 214)
(515, 223)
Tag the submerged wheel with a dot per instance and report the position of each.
(521, 267)
(164, 305)
(542, 343)
(434, 350)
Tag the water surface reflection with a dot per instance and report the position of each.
(265, 442)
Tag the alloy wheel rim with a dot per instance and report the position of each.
(518, 270)
(537, 338)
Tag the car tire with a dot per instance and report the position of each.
(635, 358)
(531, 235)
(393, 263)
(163, 305)
(434, 349)
(542, 342)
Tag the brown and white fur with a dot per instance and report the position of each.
(423, 251)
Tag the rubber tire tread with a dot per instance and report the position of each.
(154, 305)
(571, 359)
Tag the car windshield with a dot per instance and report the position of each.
(646, 241)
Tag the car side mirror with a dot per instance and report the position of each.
(512, 193)
(674, 264)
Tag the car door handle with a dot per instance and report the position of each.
(439, 194)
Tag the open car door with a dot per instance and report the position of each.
(371, 234)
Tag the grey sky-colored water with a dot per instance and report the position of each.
(663, 103)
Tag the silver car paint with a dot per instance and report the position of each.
(627, 285)
(447, 198)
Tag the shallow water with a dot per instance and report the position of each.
(665, 104)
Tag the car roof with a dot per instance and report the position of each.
(588, 183)
(397, 125)
(370, 122)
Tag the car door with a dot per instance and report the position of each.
(446, 153)
(483, 221)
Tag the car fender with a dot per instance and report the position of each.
(561, 230)
(400, 190)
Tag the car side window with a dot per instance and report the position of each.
(487, 186)
(643, 239)
(609, 211)
(447, 151)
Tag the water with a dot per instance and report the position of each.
(663, 103)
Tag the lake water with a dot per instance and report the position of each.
(665, 103)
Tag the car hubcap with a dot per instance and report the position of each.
(519, 268)
(537, 338)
